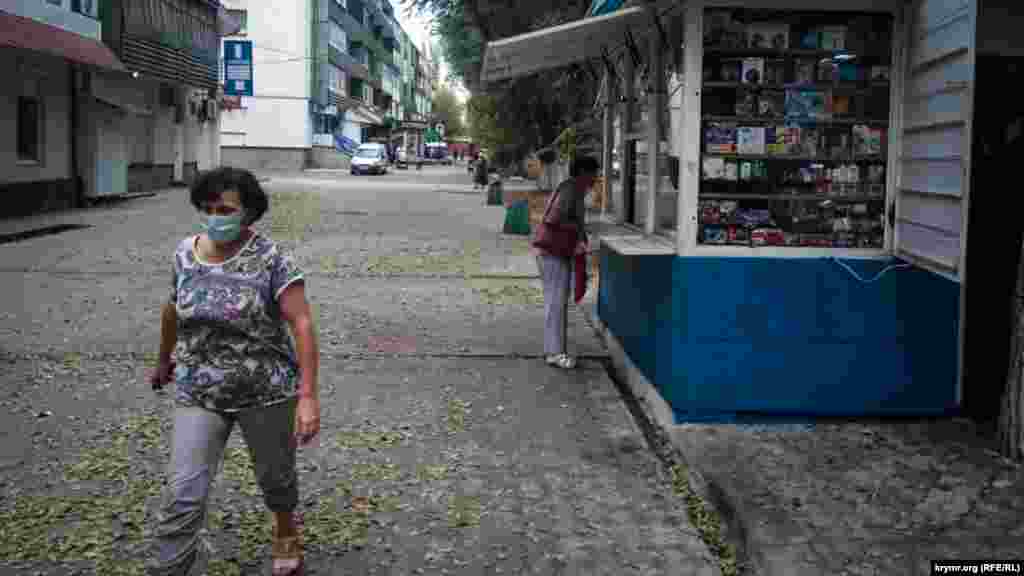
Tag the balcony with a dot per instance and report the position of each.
(357, 50)
(385, 27)
(348, 63)
(382, 100)
(174, 40)
(80, 21)
(356, 8)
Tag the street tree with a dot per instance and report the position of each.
(448, 109)
(517, 116)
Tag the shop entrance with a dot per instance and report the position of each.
(995, 226)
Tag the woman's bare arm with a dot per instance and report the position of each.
(168, 331)
(295, 310)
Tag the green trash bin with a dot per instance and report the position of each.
(494, 193)
(517, 219)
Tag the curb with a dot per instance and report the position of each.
(758, 533)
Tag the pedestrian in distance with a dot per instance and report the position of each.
(559, 239)
(480, 169)
(235, 294)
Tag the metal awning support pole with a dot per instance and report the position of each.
(655, 128)
(608, 138)
(627, 156)
(689, 156)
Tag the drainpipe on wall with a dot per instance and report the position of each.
(178, 131)
(78, 201)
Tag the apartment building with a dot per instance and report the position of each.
(107, 97)
(327, 75)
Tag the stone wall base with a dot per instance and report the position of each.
(250, 158)
(324, 157)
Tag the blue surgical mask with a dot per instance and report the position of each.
(223, 228)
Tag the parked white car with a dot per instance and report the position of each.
(370, 159)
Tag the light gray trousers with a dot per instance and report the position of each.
(556, 274)
(200, 436)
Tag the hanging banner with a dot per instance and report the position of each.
(345, 144)
(238, 67)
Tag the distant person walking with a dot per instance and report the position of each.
(480, 172)
(233, 296)
(561, 237)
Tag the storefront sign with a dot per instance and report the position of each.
(238, 67)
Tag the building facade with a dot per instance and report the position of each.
(273, 128)
(328, 75)
(106, 100)
(157, 122)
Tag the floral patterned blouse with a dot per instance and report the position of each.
(233, 350)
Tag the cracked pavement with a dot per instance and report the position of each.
(447, 447)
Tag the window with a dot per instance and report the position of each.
(30, 129)
(325, 124)
(88, 8)
(336, 79)
(795, 112)
(338, 38)
(240, 19)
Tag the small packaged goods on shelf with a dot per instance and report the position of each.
(768, 36)
(720, 138)
(753, 71)
(750, 140)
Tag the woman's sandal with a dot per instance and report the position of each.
(288, 548)
(563, 361)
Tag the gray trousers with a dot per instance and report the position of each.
(200, 436)
(556, 274)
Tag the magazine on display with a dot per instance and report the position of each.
(720, 138)
(746, 102)
(768, 36)
(713, 168)
(750, 140)
(753, 71)
(771, 104)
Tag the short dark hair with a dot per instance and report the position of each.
(210, 185)
(584, 165)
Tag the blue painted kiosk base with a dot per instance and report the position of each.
(727, 339)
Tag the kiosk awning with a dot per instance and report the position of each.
(560, 45)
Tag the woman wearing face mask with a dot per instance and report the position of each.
(234, 294)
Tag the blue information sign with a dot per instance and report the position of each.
(238, 67)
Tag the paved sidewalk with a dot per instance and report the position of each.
(849, 497)
(447, 446)
(862, 497)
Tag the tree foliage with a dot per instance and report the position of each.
(517, 116)
(448, 109)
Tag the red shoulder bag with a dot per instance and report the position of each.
(554, 237)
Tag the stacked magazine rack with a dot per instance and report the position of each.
(795, 116)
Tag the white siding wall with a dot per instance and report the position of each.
(164, 135)
(277, 116)
(26, 74)
(268, 123)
